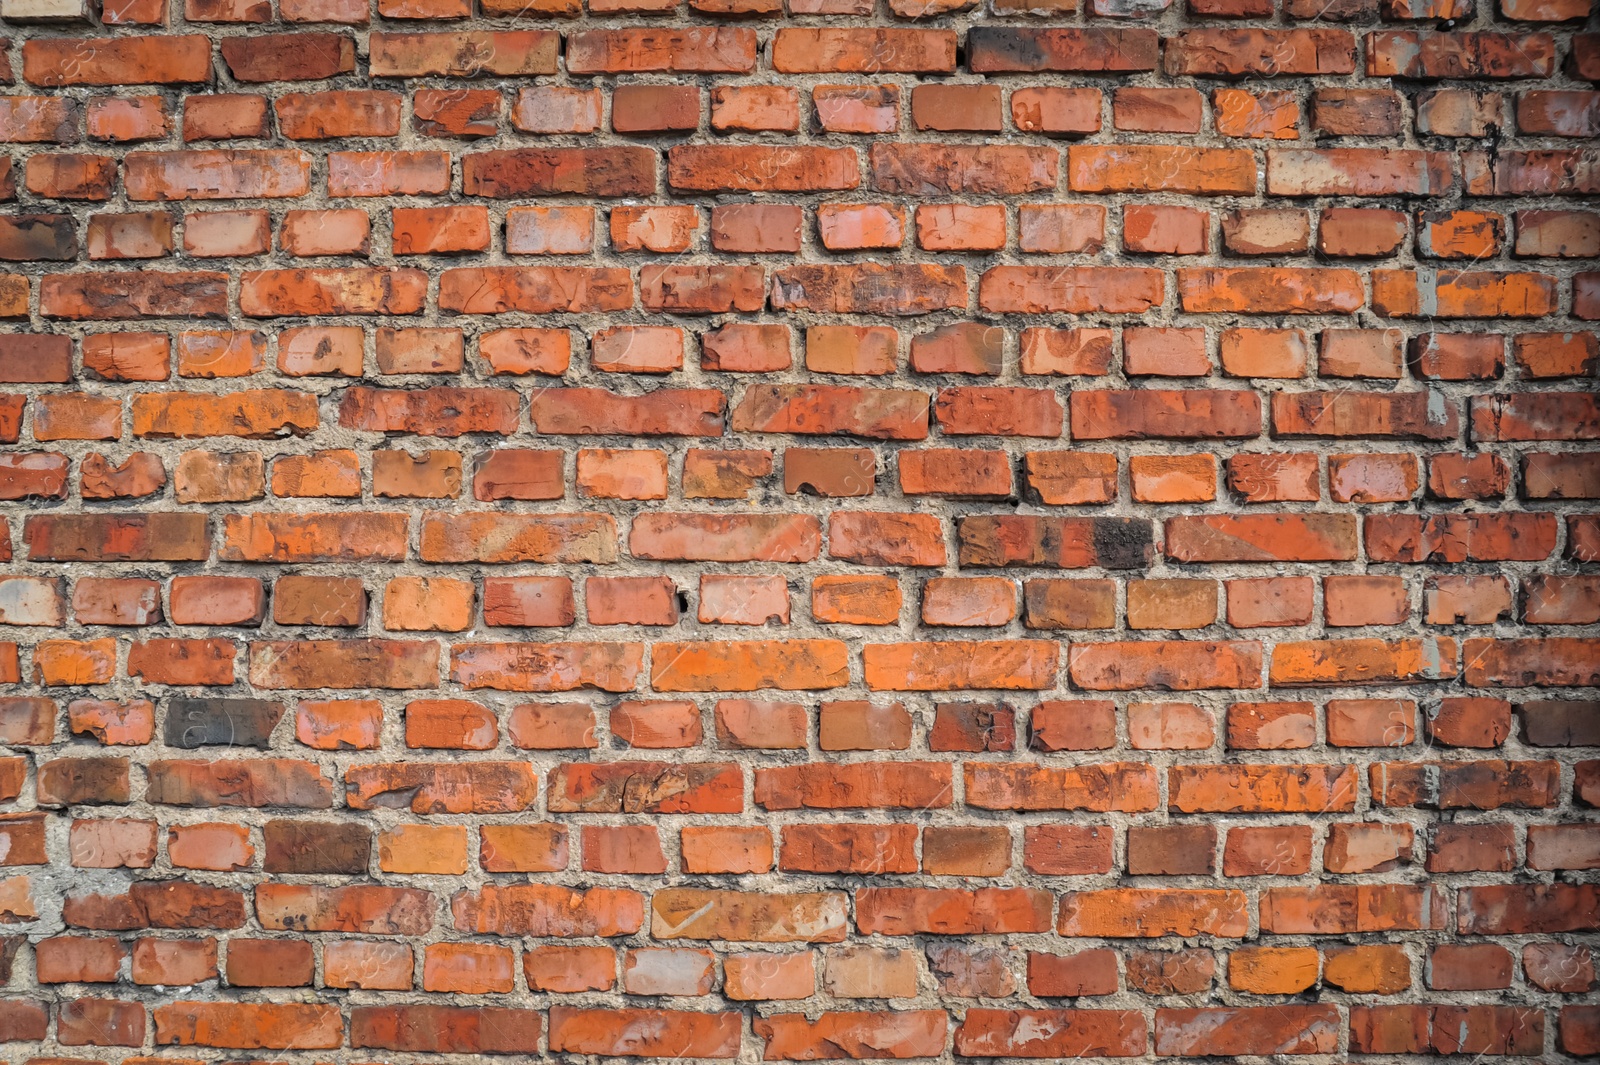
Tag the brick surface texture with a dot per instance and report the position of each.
(799, 529)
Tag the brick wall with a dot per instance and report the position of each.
(731, 533)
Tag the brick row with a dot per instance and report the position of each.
(451, 604)
(788, 1036)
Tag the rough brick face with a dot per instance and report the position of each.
(737, 531)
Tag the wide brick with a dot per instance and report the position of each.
(1340, 909)
(1076, 290)
(870, 288)
(344, 664)
(1238, 53)
(879, 413)
(1312, 1029)
(139, 60)
(651, 787)
(909, 785)
(796, 917)
(1005, 49)
(953, 665)
(281, 293)
(221, 174)
(288, 56)
(952, 911)
(234, 782)
(446, 1029)
(534, 289)
(1121, 786)
(1261, 538)
(933, 169)
(693, 50)
(1170, 168)
(247, 1026)
(1167, 666)
(125, 296)
(547, 667)
(904, 1034)
(1215, 789)
(1430, 54)
(644, 1033)
(521, 172)
(311, 537)
(1446, 1029)
(760, 168)
(468, 54)
(749, 665)
(1188, 414)
(480, 787)
(117, 537)
(863, 51)
(1146, 912)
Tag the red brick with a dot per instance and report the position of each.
(446, 1029)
